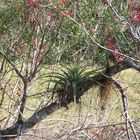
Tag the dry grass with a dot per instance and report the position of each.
(81, 120)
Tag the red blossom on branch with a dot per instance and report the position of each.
(50, 14)
(35, 42)
(68, 12)
(138, 9)
(110, 44)
(33, 3)
(117, 56)
(135, 3)
(63, 1)
(134, 12)
(130, 5)
(138, 18)
(105, 2)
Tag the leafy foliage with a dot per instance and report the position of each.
(69, 79)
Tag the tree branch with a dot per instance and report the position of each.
(47, 110)
(14, 67)
(125, 107)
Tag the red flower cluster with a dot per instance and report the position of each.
(33, 3)
(68, 12)
(110, 45)
(117, 56)
(134, 12)
(105, 2)
(35, 42)
(65, 11)
(63, 1)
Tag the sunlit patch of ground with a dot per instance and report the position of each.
(81, 120)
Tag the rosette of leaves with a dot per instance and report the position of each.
(69, 81)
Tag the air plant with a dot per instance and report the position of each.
(68, 80)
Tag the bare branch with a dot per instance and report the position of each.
(125, 107)
(14, 67)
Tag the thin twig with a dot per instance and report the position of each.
(125, 107)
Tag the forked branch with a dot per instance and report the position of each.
(125, 108)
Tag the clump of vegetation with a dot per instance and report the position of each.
(69, 80)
